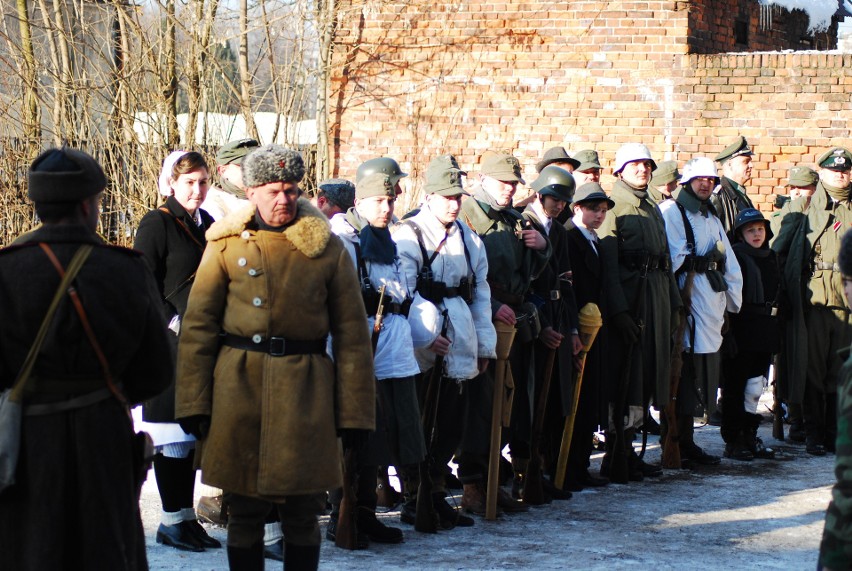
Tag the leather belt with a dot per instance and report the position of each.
(399, 308)
(275, 346)
(499, 293)
(643, 261)
(41, 409)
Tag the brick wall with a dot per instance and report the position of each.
(712, 28)
(414, 79)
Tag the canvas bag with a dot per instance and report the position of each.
(11, 407)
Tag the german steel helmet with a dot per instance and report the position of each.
(631, 152)
(384, 165)
(556, 182)
(699, 167)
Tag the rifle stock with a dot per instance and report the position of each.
(590, 324)
(346, 532)
(505, 338)
(618, 470)
(777, 411)
(533, 490)
(671, 443)
(380, 316)
(425, 519)
(347, 527)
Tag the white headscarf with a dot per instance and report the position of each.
(166, 172)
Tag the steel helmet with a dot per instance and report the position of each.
(631, 152)
(698, 167)
(556, 182)
(384, 165)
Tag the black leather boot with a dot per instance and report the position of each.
(246, 558)
(301, 557)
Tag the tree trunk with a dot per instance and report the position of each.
(31, 112)
(328, 23)
(245, 75)
(170, 81)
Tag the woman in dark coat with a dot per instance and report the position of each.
(171, 238)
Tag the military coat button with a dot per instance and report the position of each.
(257, 302)
(256, 338)
(241, 262)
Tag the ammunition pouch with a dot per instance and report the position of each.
(527, 323)
(433, 290)
(701, 265)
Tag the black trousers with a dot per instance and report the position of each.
(740, 368)
(298, 514)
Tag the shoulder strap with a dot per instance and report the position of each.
(363, 273)
(427, 259)
(687, 228)
(84, 320)
(65, 284)
(466, 251)
(183, 225)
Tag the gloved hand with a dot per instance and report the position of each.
(197, 425)
(625, 326)
(353, 438)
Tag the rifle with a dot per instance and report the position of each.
(533, 490)
(590, 324)
(618, 471)
(347, 527)
(777, 411)
(502, 370)
(425, 519)
(671, 444)
(380, 316)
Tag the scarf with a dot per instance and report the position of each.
(752, 279)
(233, 189)
(687, 198)
(640, 192)
(376, 243)
(838, 194)
(261, 225)
(485, 197)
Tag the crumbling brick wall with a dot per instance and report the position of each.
(413, 79)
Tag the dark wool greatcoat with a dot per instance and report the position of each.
(173, 252)
(588, 288)
(729, 200)
(275, 419)
(560, 314)
(75, 504)
(635, 226)
(807, 232)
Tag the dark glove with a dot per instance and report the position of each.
(197, 425)
(353, 438)
(626, 327)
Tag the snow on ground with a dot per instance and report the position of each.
(739, 515)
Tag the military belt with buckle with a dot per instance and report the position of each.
(274, 346)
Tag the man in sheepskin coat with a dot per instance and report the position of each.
(255, 384)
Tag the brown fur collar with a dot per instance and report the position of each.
(309, 232)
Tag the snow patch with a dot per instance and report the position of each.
(819, 11)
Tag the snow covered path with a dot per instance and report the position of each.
(738, 515)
